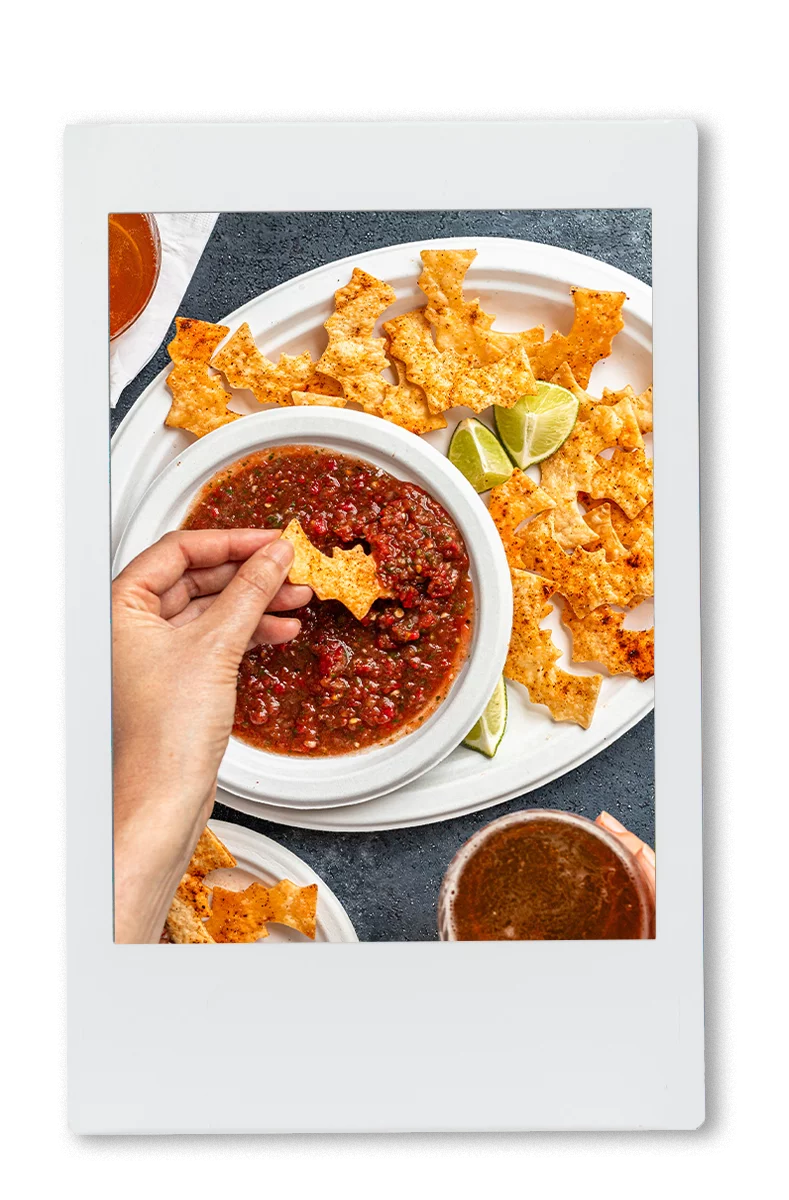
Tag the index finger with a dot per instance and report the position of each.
(162, 564)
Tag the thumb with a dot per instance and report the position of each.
(238, 609)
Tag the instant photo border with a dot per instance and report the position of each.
(397, 1036)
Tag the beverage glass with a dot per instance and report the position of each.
(135, 260)
(544, 875)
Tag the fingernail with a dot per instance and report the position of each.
(612, 823)
(281, 551)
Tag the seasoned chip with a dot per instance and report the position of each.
(642, 404)
(502, 383)
(318, 398)
(461, 325)
(532, 657)
(209, 855)
(515, 501)
(625, 478)
(405, 404)
(194, 892)
(586, 578)
(294, 906)
(626, 530)
(599, 637)
(353, 356)
(183, 925)
(349, 576)
(199, 400)
(598, 318)
(571, 469)
(244, 366)
(239, 916)
(435, 371)
(600, 520)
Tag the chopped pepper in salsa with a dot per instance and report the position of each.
(342, 684)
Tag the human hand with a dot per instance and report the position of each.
(642, 853)
(183, 614)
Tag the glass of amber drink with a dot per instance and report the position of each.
(544, 875)
(135, 259)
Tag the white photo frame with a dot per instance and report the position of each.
(399, 1036)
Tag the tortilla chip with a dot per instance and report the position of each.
(515, 501)
(435, 371)
(199, 400)
(599, 637)
(461, 325)
(642, 404)
(239, 916)
(571, 469)
(586, 578)
(318, 398)
(502, 383)
(405, 404)
(600, 520)
(625, 478)
(626, 530)
(244, 366)
(353, 356)
(209, 855)
(294, 906)
(349, 576)
(532, 657)
(597, 320)
(183, 925)
(193, 892)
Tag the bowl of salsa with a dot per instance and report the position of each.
(351, 708)
(544, 875)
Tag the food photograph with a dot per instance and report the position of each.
(382, 600)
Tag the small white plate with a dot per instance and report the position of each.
(334, 780)
(262, 860)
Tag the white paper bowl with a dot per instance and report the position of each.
(349, 778)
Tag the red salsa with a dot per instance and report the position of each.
(342, 684)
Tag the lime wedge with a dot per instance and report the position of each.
(535, 427)
(489, 730)
(479, 455)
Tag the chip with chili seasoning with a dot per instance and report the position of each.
(209, 855)
(353, 356)
(461, 325)
(597, 320)
(625, 478)
(532, 656)
(183, 925)
(599, 519)
(405, 404)
(599, 637)
(239, 916)
(434, 370)
(199, 401)
(586, 578)
(516, 500)
(294, 906)
(349, 576)
(194, 892)
(243, 365)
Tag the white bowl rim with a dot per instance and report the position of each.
(333, 781)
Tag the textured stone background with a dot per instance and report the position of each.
(389, 881)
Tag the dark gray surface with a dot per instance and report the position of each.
(389, 881)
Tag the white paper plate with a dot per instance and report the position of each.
(524, 284)
(259, 858)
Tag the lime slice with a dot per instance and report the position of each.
(489, 730)
(536, 426)
(479, 455)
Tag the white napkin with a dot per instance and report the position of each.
(184, 236)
